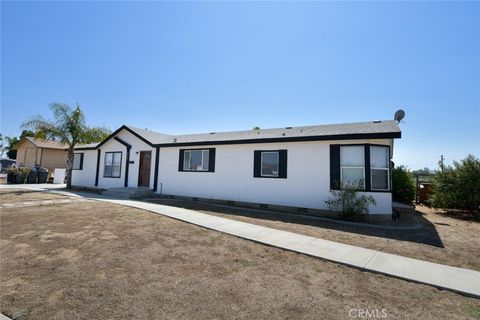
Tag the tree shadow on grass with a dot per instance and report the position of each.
(425, 234)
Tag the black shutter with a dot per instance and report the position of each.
(180, 160)
(257, 163)
(282, 166)
(81, 161)
(211, 160)
(334, 166)
(98, 168)
(367, 168)
(390, 168)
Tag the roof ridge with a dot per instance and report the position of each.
(147, 130)
(287, 128)
(337, 131)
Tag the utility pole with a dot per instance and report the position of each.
(442, 159)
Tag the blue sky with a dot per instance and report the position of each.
(183, 67)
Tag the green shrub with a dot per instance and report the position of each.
(403, 185)
(18, 175)
(349, 203)
(25, 171)
(11, 173)
(458, 187)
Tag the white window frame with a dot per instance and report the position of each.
(350, 167)
(81, 155)
(375, 168)
(190, 158)
(278, 164)
(113, 157)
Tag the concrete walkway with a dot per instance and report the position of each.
(446, 277)
(4, 317)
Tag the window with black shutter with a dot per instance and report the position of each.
(270, 164)
(201, 160)
(78, 161)
(364, 165)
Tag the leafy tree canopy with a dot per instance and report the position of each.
(403, 185)
(67, 126)
(458, 186)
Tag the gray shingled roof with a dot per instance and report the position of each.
(152, 136)
(330, 130)
(388, 126)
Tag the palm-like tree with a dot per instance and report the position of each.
(68, 126)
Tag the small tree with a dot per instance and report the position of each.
(403, 185)
(458, 187)
(68, 126)
(11, 142)
(10, 147)
(349, 203)
(2, 145)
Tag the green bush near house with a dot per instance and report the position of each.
(403, 185)
(352, 206)
(458, 187)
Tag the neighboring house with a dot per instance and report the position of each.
(5, 163)
(33, 152)
(293, 166)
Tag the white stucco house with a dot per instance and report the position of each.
(294, 167)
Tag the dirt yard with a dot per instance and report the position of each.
(93, 260)
(441, 239)
(19, 195)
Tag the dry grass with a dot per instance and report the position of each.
(441, 239)
(101, 261)
(19, 195)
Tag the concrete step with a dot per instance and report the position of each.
(115, 194)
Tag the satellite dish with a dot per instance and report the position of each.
(399, 115)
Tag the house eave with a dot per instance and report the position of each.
(355, 136)
(347, 136)
(124, 127)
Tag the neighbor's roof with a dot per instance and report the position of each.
(373, 129)
(47, 144)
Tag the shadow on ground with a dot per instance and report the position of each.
(426, 234)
